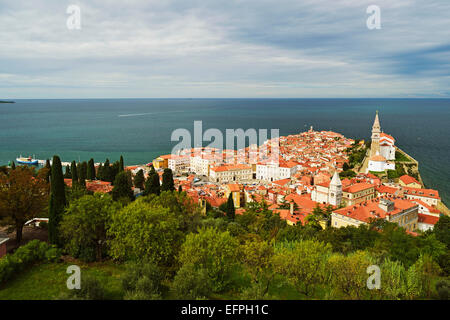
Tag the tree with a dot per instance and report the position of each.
(257, 257)
(48, 172)
(90, 170)
(142, 231)
(152, 185)
(13, 165)
(23, 196)
(74, 171)
(214, 251)
(230, 210)
(143, 281)
(121, 165)
(122, 187)
(139, 179)
(83, 173)
(442, 230)
(106, 172)
(167, 180)
(303, 263)
(83, 226)
(348, 273)
(57, 201)
(180, 189)
(192, 283)
(419, 277)
(68, 173)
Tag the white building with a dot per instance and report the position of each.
(179, 163)
(230, 173)
(387, 147)
(379, 163)
(328, 192)
(276, 171)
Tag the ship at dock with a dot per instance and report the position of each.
(27, 160)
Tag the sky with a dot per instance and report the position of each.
(224, 49)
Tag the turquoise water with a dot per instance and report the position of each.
(140, 129)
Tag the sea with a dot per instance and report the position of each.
(141, 129)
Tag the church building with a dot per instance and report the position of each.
(382, 149)
(328, 192)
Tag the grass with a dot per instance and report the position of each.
(48, 281)
(399, 156)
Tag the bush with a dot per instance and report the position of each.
(143, 281)
(26, 255)
(443, 289)
(191, 283)
(91, 289)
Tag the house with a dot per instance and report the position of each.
(358, 192)
(3, 246)
(392, 209)
(408, 181)
(427, 222)
(428, 196)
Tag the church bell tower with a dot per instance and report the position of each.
(376, 131)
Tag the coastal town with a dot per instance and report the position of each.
(308, 174)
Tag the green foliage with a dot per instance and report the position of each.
(393, 280)
(74, 172)
(122, 187)
(57, 200)
(143, 231)
(302, 263)
(152, 185)
(91, 289)
(83, 227)
(214, 251)
(442, 230)
(230, 210)
(192, 283)
(348, 274)
(419, 277)
(139, 179)
(90, 173)
(25, 256)
(142, 281)
(167, 180)
(443, 289)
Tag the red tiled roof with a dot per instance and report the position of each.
(358, 187)
(428, 219)
(408, 179)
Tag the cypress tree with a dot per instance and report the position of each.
(180, 189)
(167, 180)
(74, 171)
(114, 170)
(49, 170)
(231, 211)
(152, 185)
(121, 167)
(83, 172)
(68, 173)
(13, 166)
(107, 171)
(91, 170)
(57, 201)
(139, 179)
(100, 172)
(122, 187)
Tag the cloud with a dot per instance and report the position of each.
(252, 48)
